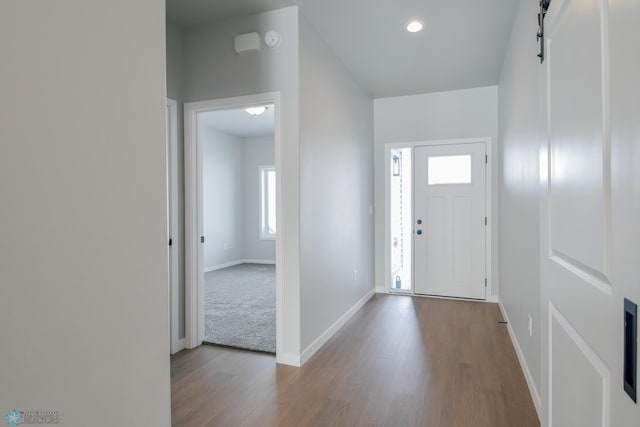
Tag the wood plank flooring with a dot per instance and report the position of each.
(400, 361)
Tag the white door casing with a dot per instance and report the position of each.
(194, 269)
(450, 222)
(173, 228)
(581, 286)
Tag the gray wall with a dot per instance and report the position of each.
(467, 113)
(231, 198)
(258, 151)
(336, 176)
(522, 132)
(175, 60)
(83, 254)
(212, 71)
(222, 197)
(175, 91)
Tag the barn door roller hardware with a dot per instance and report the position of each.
(544, 5)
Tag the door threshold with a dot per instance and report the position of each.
(400, 292)
(451, 298)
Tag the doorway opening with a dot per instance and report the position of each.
(232, 198)
(239, 227)
(437, 218)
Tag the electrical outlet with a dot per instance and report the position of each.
(530, 326)
(226, 246)
(355, 274)
(370, 210)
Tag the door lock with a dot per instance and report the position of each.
(419, 232)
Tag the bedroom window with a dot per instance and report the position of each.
(267, 202)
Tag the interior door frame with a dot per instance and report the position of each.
(488, 206)
(194, 266)
(173, 228)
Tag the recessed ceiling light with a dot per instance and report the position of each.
(255, 111)
(414, 26)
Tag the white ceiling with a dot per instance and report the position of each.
(462, 45)
(191, 13)
(239, 123)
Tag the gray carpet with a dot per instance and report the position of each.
(240, 307)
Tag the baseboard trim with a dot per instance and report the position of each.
(221, 266)
(180, 345)
(489, 300)
(238, 262)
(259, 261)
(537, 401)
(289, 359)
(322, 339)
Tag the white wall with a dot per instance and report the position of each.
(175, 91)
(222, 197)
(175, 62)
(336, 175)
(212, 71)
(468, 113)
(231, 198)
(522, 133)
(258, 151)
(83, 254)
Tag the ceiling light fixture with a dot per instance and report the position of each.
(414, 26)
(255, 111)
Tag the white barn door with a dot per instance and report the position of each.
(584, 242)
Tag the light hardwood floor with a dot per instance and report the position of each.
(400, 361)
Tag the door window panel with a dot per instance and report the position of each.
(449, 169)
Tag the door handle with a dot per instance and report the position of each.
(419, 232)
(419, 221)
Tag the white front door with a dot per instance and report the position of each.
(589, 217)
(450, 220)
